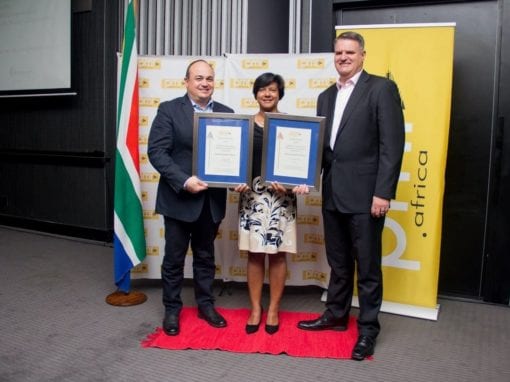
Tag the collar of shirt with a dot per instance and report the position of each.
(200, 109)
(351, 81)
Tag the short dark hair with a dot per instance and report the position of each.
(350, 35)
(193, 63)
(267, 78)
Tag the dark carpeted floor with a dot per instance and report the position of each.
(56, 326)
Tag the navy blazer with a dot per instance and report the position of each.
(367, 155)
(170, 151)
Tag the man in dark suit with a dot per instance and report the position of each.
(192, 211)
(362, 155)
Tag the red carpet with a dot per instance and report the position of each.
(197, 334)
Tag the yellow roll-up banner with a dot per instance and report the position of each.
(419, 58)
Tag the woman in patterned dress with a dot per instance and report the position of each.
(267, 218)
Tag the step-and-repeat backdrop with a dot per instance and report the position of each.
(412, 235)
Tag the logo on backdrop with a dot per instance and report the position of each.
(149, 102)
(308, 257)
(311, 63)
(152, 251)
(151, 177)
(313, 238)
(311, 200)
(149, 63)
(308, 219)
(315, 275)
(241, 83)
(253, 63)
(306, 103)
(249, 103)
(320, 83)
(290, 83)
(144, 120)
(150, 214)
(172, 83)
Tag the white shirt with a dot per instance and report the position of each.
(200, 109)
(344, 92)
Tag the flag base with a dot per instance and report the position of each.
(119, 298)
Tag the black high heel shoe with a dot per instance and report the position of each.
(253, 328)
(272, 329)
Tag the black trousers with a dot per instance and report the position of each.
(178, 236)
(353, 242)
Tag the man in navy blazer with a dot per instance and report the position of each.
(192, 211)
(362, 155)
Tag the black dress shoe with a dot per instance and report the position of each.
(363, 348)
(171, 324)
(325, 322)
(212, 317)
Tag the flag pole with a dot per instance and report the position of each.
(129, 236)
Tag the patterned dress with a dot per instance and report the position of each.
(267, 220)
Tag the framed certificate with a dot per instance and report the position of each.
(292, 151)
(222, 148)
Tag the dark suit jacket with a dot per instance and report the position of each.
(368, 149)
(170, 151)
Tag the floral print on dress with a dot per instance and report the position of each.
(267, 220)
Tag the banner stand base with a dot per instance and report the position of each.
(119, 298)
(401, 309)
